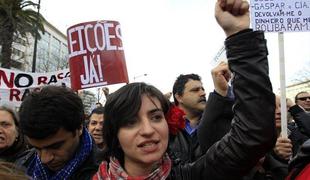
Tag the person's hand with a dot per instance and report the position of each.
(283, 148)
(221, 75)
(232, 15)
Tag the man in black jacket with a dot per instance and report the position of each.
(52, 120)
(189, 95)
(303, 99)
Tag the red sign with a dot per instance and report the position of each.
(96, 55)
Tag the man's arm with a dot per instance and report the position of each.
(216, 119)
(232, 15)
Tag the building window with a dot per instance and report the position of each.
(17, 52)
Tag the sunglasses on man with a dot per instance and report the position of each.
(304, 98)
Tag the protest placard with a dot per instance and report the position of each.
(96, 55)
(280, 15)
(14, 85)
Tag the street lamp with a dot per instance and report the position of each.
(99, 94)
(138, 76)
(102, 91)
(34, 58)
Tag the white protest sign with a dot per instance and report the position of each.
(18, 79)
(280, 15)
(15, 84)
(219, 57)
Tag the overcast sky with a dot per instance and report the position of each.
(164, 38)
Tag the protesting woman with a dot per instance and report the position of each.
(137, 116)
(12, 142)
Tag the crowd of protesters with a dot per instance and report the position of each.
(139, 134)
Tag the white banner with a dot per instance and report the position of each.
(14, 85)
(280, 15)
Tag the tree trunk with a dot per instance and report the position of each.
(6, 50)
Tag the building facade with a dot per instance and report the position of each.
(89, 100)
(52, 55)
(52, 51)
(293, 89)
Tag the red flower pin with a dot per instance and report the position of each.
(175, 119)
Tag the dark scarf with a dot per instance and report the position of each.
(39, 171)
(114, 171)
(13, 152)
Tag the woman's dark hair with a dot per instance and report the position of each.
(122, 107)
(98, 110)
